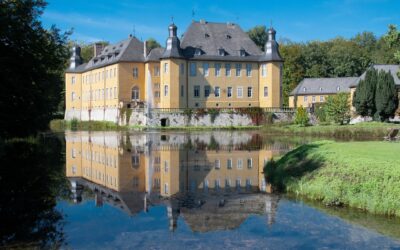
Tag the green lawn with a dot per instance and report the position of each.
(363, 175)
(361, 130)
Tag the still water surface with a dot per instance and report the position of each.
(188, 191)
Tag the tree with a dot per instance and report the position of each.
(259, 35)
(364, 96)
(87, 50)
(152, 44)
(392, 38)
(301, 117)
(386, 98)
(31, 74)
(337, 108)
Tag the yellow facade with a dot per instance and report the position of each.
(112, 86)
(306, 101)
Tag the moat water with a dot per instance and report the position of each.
(167, 190)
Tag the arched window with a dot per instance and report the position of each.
(135, 93)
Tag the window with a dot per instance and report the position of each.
(248, 69)
(115, 73)
(157, 94)
(166, 188)
(106, 93)
(217, 91)
(227, 69)
(217, 164)
(227, 183)
(321, 98)
(264, 70)
(165, 67)
(229, 92)
(305, 98)
(206, 91)
(156, 71)
(72, 79)
(338, 88)
(205, 69)
(73, 96)
(182, 91)
(313, 99)
(115, 92)
(135, 93)
(193, 69)
(197, 91)
(249, 163)
(249, 91)
(265, 91)
(135, 160)
(217, 69)
(238, 68)
(182, 69)
(73, 153)
(239, 163)
(135, 72)
(166, 90)
(166, 166)
(239, 92)
(304, 89)
(229, 164)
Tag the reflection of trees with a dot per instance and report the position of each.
(30, 179)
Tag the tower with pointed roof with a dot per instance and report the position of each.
(270, 68)
(173, 72)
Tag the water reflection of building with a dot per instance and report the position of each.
(213, 180)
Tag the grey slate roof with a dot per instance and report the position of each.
(208, 37)
(321, 86)
(394, 69)
(155, 55)
(129, 50)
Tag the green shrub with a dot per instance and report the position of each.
(301, 117)
(74, 124)
(337, 108)
(320, 112)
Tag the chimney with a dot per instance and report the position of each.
(75, 59)
(98, 47)
(145, 48)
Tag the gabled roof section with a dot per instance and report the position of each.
(393, 68)
(209, 37)
(129, 50)
(322, 86)
(155, 55)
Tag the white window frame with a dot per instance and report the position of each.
(239, 92)
(249, 67)
(206, 69)
(229, 92)
(228, 69)
(166, 67)
(264, 70)
(217, 164)
(238, 68)
(266, 92)
(217, 91)
(166, 90)
(250, 91)
(239, 163)
(229, 163)
(207, 87)
(196, 88)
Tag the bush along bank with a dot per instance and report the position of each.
(364, 175)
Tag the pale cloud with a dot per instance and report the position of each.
(75, 20)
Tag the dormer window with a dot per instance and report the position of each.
(197, 52)
(206, 35)
(338, 88)
(242, 52)
(221, 52)
(228, 36)
(320, 89)
(304, 89)
(120, 45)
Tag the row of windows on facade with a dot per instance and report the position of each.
(217, 67)
(217, 184)
(100, 176)
(96, 77)
(217, 164)
(217, 91)
(107, 160)
(99, 94)
(320, 89)
(321, 98)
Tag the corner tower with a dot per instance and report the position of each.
(173, 70)
(271, 70)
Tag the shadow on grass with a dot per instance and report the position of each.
(294, 165)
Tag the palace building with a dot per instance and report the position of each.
(213, 65)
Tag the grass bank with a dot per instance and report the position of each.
(360, 130)
(364, 175)
(61, 125)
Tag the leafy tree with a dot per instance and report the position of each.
(337, 108)
(33, 61)
(386, 99)
(392, 38)
(259, 35)
(364, 96)
(301, 117)
(87, 50)
(152, 44)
